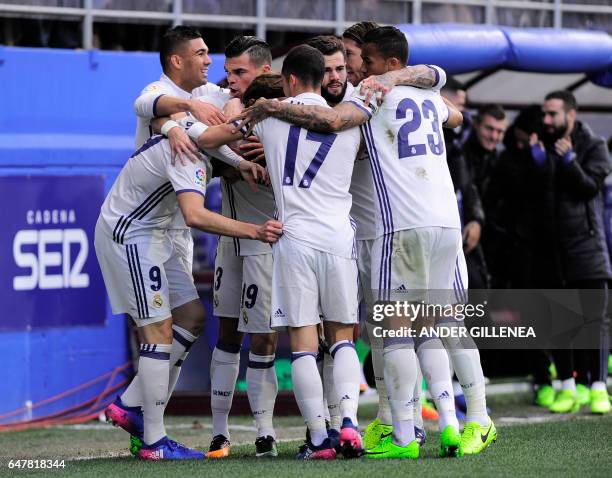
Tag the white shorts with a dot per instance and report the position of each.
(145, 280)
(242, 287)
(180, 270)
(425, 263)
(366, 296)
(364, 264)
(307, 282)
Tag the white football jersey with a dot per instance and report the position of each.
(212, 94)
(145, 105)
(362, 190)
(311, 175)
(408, 160)
(143, 199)
(238, 201)
(145, 108)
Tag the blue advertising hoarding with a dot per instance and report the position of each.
(50, 275)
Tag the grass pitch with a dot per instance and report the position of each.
(531, 442)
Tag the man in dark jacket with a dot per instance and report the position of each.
(518, 241)
(480, 153)
(470, 207)
(572, 164)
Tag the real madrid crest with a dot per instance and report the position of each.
(245, 317)
(157, 301)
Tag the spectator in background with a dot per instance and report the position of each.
(468, 199)
(543, 206)
(570, 165)
(480, 149)
(480, 152)
(518, 240)
(512, 202)
(456, 92)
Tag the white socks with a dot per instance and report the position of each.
(466, 363)
(599, 386)
(569, 384)
(346, 370)
(132, 396)
(434, 364)
(182, 340)
(154, 370)
(400, 377)
(418, 398)
(224, 368)
(181, 343)
(329, 390)
(378, 364)
(308, 391)
(262, 388)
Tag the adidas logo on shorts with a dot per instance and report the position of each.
(279, 313)
(401, 288)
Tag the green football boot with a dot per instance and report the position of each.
(475, 438)
(565, 402)
(387, 449)
(450, 442)
(545, 396)
(610, 364)
(374, 432)
(600, 402)
(135, 445)
(583, 394)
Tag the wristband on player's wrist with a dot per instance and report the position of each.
(167, 126)
(196, 130)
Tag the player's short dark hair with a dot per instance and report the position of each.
(268, 85)
(174, 39)
(568, 98)
(453, 85)
(327, 44)
(390, 42)
(258, 50)
(358, 31)
(306, 63)
(494, 111)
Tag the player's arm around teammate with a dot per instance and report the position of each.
(326, 120)
(185, 62)
(201, 218)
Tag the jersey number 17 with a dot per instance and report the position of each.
(326, 141)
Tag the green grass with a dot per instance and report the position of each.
(580, 445)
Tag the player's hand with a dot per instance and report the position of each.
(471, 235)
(376, 86)
(208, 114)
(181, 146)
(563, 146)
(253, 173)
(533, 139)
(252, 115)
(252, 149)
(270, 232)
(537, 149)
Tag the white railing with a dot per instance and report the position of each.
(175, 13)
